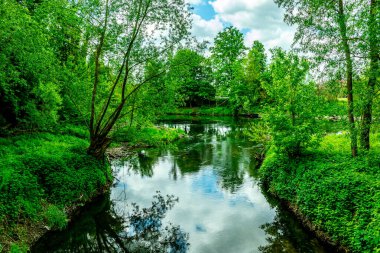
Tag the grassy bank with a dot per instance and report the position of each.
(338, 194)
(42, 177)
(152, 136)
(204, 110)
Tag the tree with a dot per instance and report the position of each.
(228, 49)
(253, 75)
(128, 35)
(190, 73)
(326, 29)
(29, 93)
(292, 114)
(372, 36)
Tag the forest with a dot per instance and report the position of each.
(80, 78)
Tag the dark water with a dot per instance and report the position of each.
(220, 206)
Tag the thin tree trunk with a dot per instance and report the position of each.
(349, 78)
(374, 68)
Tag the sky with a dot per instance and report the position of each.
(257, 19)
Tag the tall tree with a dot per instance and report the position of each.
(255, 65)
(372, 36)
(228, 49)
(323, 29)
(129, 34)
(190, 72)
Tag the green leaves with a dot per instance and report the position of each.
(190, 72)
(293, 111)
(28, 68)
(228, 49)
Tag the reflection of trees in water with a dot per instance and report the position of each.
(142, 163)
(285, 234)
(216, 145)
(228, 161)
(101, 229)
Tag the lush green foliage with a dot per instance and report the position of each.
(78, 62)
(148, 136)
(337, 193)
(29, 92)
(191, 73)
(293, 111)
(211, 111)
(227, 52)
(44, 168)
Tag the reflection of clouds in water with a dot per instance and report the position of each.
(207, 183)
(217, 220)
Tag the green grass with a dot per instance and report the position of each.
(209, 111)
(337, 193)
(152, 136)
(41, 175)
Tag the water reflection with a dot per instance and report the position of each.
(102, 228)
(221, 207)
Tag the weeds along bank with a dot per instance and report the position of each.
(43, 177)
(338, 194)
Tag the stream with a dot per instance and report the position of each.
(200, 196)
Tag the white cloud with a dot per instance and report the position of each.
(206, 29)
(262, 18)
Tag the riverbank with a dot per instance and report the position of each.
(126, 140)
(334, 195)
(44, 177)
(213, 111)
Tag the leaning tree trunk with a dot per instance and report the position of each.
(374, 68)
(349, 78)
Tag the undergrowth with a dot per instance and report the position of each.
(337, 193)
(152, 136)
(43, 174)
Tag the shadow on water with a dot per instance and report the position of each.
(222, 207)
(102, 228)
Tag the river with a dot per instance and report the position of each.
(215, 201)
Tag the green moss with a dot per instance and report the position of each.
(337, 193)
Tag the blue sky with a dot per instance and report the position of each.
(258, 19)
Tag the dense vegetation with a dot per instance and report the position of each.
(75, 75)
(43, 175)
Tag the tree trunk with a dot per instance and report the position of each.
(374, 68)
(98, 147)
(349, 78)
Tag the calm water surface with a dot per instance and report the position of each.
(221, 206)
